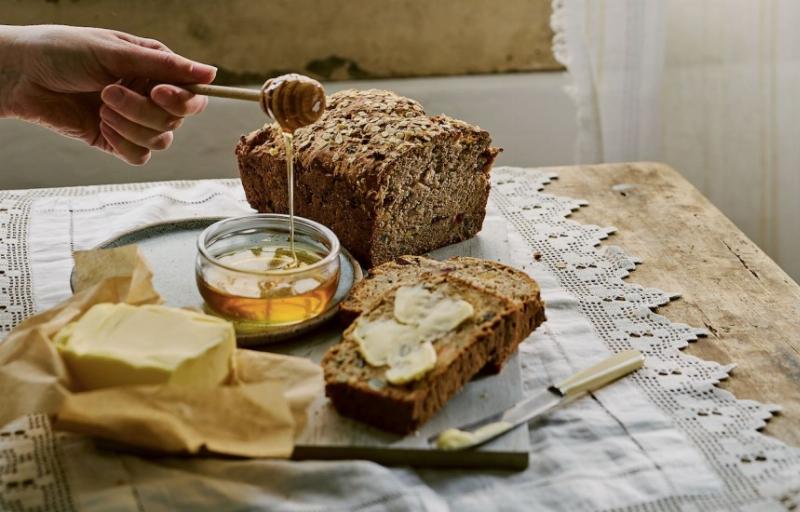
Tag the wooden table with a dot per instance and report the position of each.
(728, 285)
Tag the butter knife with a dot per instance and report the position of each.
(583, 382)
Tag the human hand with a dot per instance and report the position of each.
(112, 90)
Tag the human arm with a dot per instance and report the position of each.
(112, 90)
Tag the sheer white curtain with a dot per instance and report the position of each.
(711, 87)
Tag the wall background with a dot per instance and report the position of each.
(250, 40)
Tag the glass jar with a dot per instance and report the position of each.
(246, 270)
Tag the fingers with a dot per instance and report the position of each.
(122, 147)
(131, 60)
(138, 109)
(135, 133)
(134, 124)
(178, 102)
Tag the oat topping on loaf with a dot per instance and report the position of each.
(386, 177)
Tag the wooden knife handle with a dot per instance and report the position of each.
(602, 373)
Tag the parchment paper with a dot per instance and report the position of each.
(255, 415)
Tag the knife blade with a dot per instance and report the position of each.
(554, 396)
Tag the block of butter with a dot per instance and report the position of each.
(124, 345)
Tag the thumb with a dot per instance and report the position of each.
(133, 61)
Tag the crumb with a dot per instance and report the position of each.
(561, 265)
(537, 255)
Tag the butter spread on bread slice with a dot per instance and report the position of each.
(403, 340)
(501, 279)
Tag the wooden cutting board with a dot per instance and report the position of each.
(170, 249)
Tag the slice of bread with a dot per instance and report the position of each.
(501, 279)
(361, 391)
(400, 271)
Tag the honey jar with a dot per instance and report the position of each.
(247, 270)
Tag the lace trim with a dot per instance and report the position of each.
(754, 467)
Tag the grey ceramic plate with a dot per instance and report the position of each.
(171, 247)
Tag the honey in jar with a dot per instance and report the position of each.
(255, 275)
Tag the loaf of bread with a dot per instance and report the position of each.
(384, 176)
(495, 329)
(501, 279)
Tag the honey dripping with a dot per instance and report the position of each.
(293, 101)
(287, 141)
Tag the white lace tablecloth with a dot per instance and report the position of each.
(665, 439)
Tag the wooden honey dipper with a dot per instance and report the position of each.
(293, 100)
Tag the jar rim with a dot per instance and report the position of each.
(219, 228)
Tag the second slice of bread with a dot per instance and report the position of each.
(496, 277)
